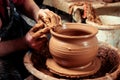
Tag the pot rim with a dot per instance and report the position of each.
(93, 31)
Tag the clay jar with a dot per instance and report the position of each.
(73, 45)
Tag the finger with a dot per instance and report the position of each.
(43, 39)
(60, 22)
(41, 42)
(40, 32)
(37, 27)
(43, 16)
(46, 20)
(53, 17)
(56, 21)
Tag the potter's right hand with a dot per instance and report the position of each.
(49, 18)
(36, 37)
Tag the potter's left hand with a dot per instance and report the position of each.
(48, 17)
(35, 38)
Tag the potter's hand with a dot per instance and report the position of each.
(48, 17)
(36, 37)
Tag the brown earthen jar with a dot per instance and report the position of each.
(73, 45)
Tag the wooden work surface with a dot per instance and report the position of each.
(45, 74)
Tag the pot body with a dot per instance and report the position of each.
(75, 45)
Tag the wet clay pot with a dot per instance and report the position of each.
(73, 45)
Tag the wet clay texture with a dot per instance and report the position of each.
(108, 55)
(73, 45)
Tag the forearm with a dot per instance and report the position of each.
(30, 8)
(7, 47)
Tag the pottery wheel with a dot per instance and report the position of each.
(73, 72)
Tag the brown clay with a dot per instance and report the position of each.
(73, 72)
(109, 70)
(74, 45)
